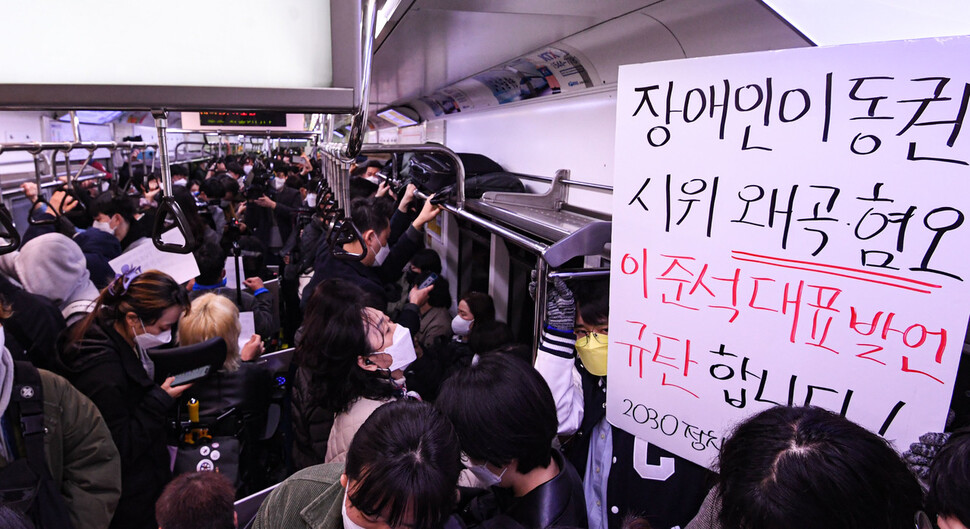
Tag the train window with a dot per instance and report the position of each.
(473, 258)
(521, 307)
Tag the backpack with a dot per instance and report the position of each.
(26, 484)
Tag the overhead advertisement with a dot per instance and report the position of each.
(789, 229)
(547, 71)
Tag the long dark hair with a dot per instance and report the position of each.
(148, 295)
(481, 306)
(335, 335)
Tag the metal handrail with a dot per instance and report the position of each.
(375, 148)
(577, 183)
(358, 123)
(537, 247)
(187, 151)
(585, 273)
(36, 147)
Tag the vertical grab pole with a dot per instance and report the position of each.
(542, 275)
(358, 124)
(168, 207)
(75, 127)
(161, 125)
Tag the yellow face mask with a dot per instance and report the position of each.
(592, 352)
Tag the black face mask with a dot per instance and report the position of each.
(410, 276)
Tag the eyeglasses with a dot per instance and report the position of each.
(583, 338)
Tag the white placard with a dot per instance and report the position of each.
(247, 325)
(182, 267)
(231, 272)
(789, 228)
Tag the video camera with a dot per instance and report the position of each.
(260, 185)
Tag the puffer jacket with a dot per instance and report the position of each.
(311, 423)
(103, 366)
(345, 426)
(82, 459)
(81, 456)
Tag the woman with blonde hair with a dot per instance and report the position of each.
(239, 384)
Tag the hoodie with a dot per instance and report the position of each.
(53, 266)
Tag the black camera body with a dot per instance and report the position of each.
(260, 185)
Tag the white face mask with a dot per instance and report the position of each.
(380, 254)
(485, 475)
(247, 169)
(179, 182)
(148, 341)
(401, 349)
(311, 200)
(348, 523)
(460, 326)
(105, 186)
(103, 226)
(278, 183)
(373, 179)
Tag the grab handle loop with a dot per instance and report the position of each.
(170, 208)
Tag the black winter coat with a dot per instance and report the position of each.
(558, 502)
(33, 326)
(371, 279)
(105, 368)
(311, 423)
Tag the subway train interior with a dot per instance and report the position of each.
(328, 263)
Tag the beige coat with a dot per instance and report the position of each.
(345, 425)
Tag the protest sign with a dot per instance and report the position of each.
(143, 254)
(788, 228)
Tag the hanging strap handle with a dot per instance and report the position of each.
(170, 208)
(347, 232)
(8, 231)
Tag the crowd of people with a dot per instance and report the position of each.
(403, 407)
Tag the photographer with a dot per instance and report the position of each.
(212, 192)
(269, 213)
(384, 258)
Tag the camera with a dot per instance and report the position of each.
(261, 185)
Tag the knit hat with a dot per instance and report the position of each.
(53, 266)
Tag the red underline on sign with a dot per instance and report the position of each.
(850, 273)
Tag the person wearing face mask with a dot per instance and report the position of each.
(239, 172)
(401, 472)
(180, 175)
(506, 421)
(349, 359)
(106, 359)
(115, 215)
(664, 488)
(270, 218)
(390, 350)
(473, 306)
(114, 230)
(384, 257)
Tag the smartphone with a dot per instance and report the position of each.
(190, 376)
(429, 281)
